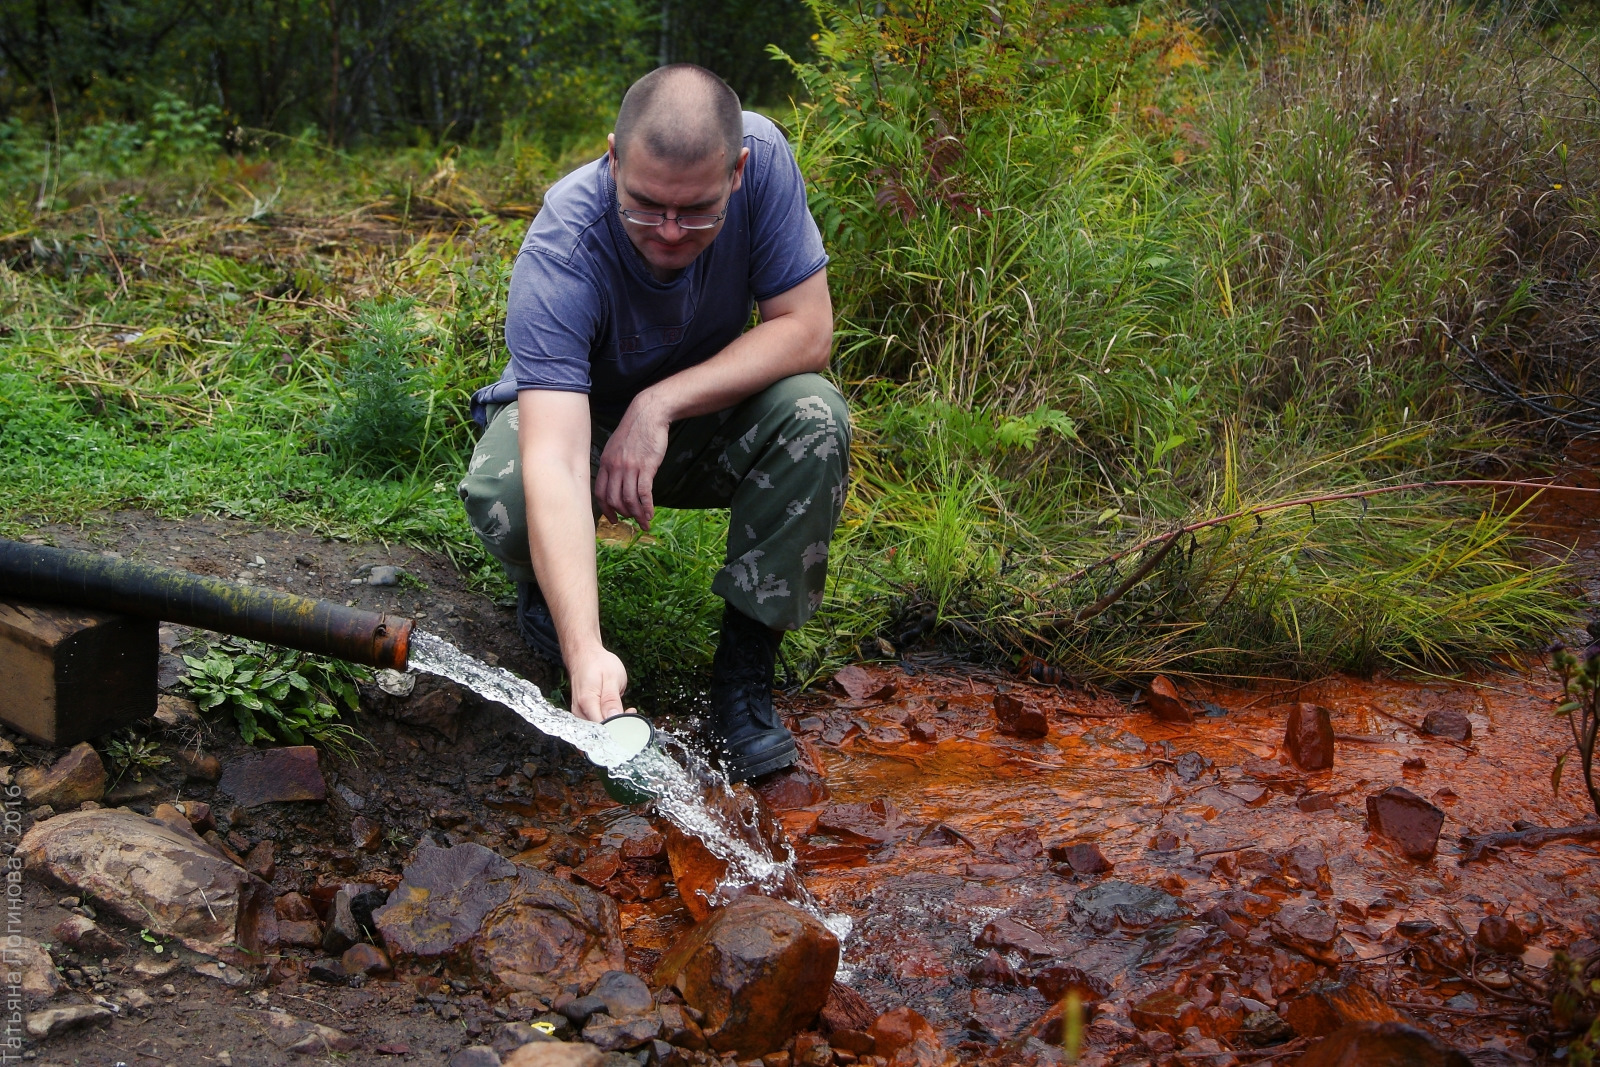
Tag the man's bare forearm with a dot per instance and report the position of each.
(555, 477)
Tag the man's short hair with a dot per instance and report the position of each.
(681, 113)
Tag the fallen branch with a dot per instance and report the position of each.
(1479, 846)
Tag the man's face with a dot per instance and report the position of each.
(651, 184)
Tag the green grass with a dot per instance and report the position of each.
(1079, 302)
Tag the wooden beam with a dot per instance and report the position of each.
(68, 674)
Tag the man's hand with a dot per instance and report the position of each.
(630, 460)
(598, 680)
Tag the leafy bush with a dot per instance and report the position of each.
(278, 694)
(378, 424)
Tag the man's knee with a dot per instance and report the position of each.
(492, 493)
(809, 417)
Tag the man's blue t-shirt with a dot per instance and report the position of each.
(585, 315)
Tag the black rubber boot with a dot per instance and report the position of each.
(538, 628)
(744, 727)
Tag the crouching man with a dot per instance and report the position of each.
(634, 383)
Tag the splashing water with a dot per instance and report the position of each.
(680, 793)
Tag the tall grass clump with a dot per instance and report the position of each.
(377, 423)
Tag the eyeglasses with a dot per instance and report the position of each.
(685, 222)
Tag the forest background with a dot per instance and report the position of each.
(1100, 272)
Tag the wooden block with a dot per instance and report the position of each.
(68, 675)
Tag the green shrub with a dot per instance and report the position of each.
(278, 694)
(378, 423)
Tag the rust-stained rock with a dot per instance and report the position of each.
(857, 684)
(301, 933)
(513, 925)
(1382, 1045)
(261, 861)
(624, 994)
(993, 970)
(365, 834)
(906, 1039)
(365, 959)
(151, 875)
(86, 936)
(1448, 722)
(1169, 1012)
(1327, 1007)
(1008, 935)
(645, 846)
(69, 781)
(1057, 979)
(679, 1028)
(758, 970)
(845, 1009)
(1114, 902)
(1501, 935)
(1165, 702)
(1308, 737)
(274, 775)
(610, 1034)
(599, 868)
(1019, 846)
(879, 821)
(855, 1042)
(1017, 718)
(793, 789)
(294, 907)
(198, 766)
(1405, 819)
(1307, 864)
(1083, 857)
(554, 1054)
(696, 872)
(810, 1050)
(1308, 926)
(29, 966)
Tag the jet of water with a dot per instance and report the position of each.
(686, 797)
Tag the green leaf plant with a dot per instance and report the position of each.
(278, 694)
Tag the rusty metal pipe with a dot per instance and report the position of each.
(86, 580)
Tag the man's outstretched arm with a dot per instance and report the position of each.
(554, 442)
(794, 337)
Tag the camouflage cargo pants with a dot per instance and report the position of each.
(779, 462)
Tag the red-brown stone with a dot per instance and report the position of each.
(365, 959)
(758, 970)
(793, 789)
(599, 868)
(1019, 846)
(845, 1009)
(1016, 717)
(993, 970)
(696, 871)
(1083, 857)
(1168, 1012)
(1165, 702)
(1382, 1045)
(878, 822)
(1308, 737)
(274, 775)
(261, 861)
(294, 907)
(904, 1037)
(1405, 819)
(1008, 935)
(646, 846)
(1499, 934)
(1328, 1007)
(1058, 979)
(365, 834)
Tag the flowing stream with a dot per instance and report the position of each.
(680, 794)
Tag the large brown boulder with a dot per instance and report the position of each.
(152, 875)
(514, 926)
(69, 781)
(759, 970)
(1383, 1045)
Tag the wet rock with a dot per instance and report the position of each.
(623, 994)
(365, 959)
(300, 934)
(274, 775)
(579, 1009)
(793, 789)
(1406, 820)
(513, 925)
(1307, 864)
(993, 970)
(303, 1038)
(679, 1029)
(1307, 925)
(1190, 766)
(514, 1035)
(1263, 1028)
(294, 907)
(365, 834)
(1383, 1045)
(1165, 702)
(856, 683)
(1083, 857)
(1058, 979)
(1327, 1007)
(758, 970)
(1501, 935)
(1117, 738)
(1008, 935)
(696, 872)
(1448, 722)
(1308, 737)
(69, 781)
(879, 821)
(261, 861)
(53, 1021)
(555, 1054)
(610, 1034)
(475, 1056)
(926, 732)
(1168, 1012)
(599, 868)
(1015, 717)
(435, 704)
(342, 930)
(1315, 802)
(1019, 846)
(810, 1050)
(86, 936)
(32, 967)
(646, 846)
(904, 1038)
(174, 712)
(1115, 902)
(845, 1009)
(151, 875)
